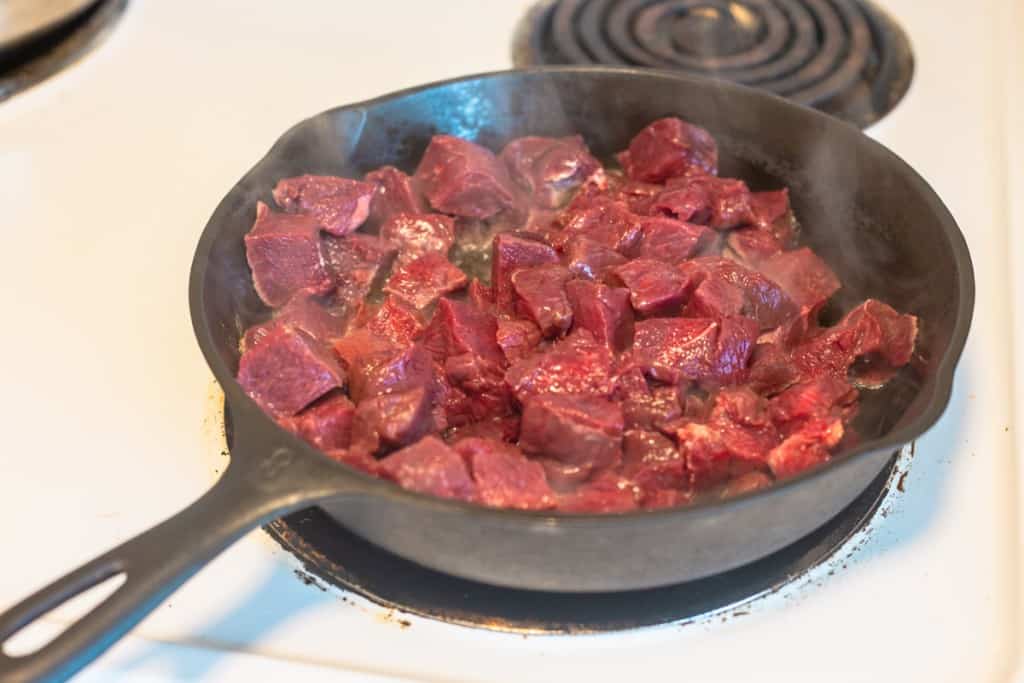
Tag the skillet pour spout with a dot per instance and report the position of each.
(866, 212)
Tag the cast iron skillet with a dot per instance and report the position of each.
(869, 214)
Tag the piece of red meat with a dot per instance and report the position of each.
(589, 259)
(395, 193)
(356, 263)
(603, 311)
(459, 327)
(509, 254)
(670, 240)
(424, 280)
(504, 428)
(805, 448)
(392, 370)
(464, 179)
(766, 302)
(751, 246)
(606, 222)
(873, 331)
(722, 203)
(549, 169)
(504, 477)
(607, 493)
(339, 205)
(540, 296)
(645, 407)
(715, 298)
(283, 251)
(819, 398)
(803, 276)
(667, 148)
(326, 424)
(772, 214)
(358, 458)
(393, 420)
(430, 466)
(575, 365)
(287, 371)
(655, 287)
(517, 338)
(417, 234)
(613, 186)
(734, 346)
(770, 369)
(574, 429)
(652, 462)
(396, 321)
(306, 312)
(675, 349)
(480, 295)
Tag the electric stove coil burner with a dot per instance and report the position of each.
(845, 57)
(340, 558)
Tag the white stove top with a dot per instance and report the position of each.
(108, 173)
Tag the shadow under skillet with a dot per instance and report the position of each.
(340, 558)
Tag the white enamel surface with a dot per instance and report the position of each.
(108, 174)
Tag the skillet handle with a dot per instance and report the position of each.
(251, 492)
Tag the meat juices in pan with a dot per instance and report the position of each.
(648, 336)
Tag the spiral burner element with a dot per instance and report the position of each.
(845, 57)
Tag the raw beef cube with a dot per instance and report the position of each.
(722, 203)
(716, 453)
(304, 312)
(458, 328)
(430, 466)
(572, 366)
(504, 477)
(392, 420)
(803, 276)
(772, 214)
(652, 462)
(563, 476)
(740, 406)
(423, 281)
(358, 458)
(396, 321)
(510, 253)
(340, 205)
(504, 428)
(606, 222)
(675, 349)
(736, 339)
(613, 186)
(464, 179)
(603, 311)
(822, 397)
(481, 379)
(655, 287)
(770, 369)
(540, 294)
(669, 147)
(549, 168)
(872, 331)
(390, 372)
(327, 424)
(360, 344)
(590, 259)
(608, 493)
(716, 298)
(287, 371)
(283, 251)
(746, 483)
(765, 300)
(751, 246)
(355, 262)
(578, 430)
(672, 241)
(394, 194)
(805, 449)
(416, 234)
(480, 295)
(517, 338)
(645, 407)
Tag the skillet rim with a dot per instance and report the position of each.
(937, 399)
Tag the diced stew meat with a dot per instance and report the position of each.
(532, 330)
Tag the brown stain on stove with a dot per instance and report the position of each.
(901, 483)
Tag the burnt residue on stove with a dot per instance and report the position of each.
(334, 556)
(845, 57)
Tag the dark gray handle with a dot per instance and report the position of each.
(158, 561)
